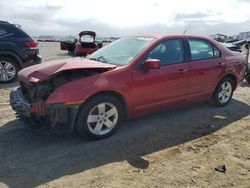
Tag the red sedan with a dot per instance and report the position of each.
(85, 45)
(127, 78)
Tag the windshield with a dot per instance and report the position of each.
(122, 51)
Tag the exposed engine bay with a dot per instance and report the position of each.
(34, 92)
(29, 99)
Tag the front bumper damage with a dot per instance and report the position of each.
(23, 107)
(19, 103)
(52, 116)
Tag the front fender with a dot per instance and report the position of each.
(80, 90)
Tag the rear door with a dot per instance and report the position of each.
(206, 67)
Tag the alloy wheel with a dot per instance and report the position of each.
(102, 118)
(7, 71)
(225, 92)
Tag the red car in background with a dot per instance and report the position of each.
(86, 44)
(125, 79)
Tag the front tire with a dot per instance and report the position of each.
(99, 117)
(223, 92)
(8, 70)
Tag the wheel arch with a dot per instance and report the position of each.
(233, 78)
(112, 93)
(213, 99)
(115, 94)
(12, 56)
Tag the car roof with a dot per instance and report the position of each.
(9, 24)
(1, 21)
(164, 35)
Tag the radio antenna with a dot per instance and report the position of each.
(186, 29)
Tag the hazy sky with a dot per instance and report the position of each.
(128, 17)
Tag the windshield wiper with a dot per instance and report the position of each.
(101, 59)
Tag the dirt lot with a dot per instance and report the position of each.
(176, 148)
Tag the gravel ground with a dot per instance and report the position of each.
(176, 148)
(51, 51)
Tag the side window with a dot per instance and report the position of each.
(18, 32)
(160, 48)
(168, 52)
(5, 31)
(216, 52)
(2, 31)
(201, 49)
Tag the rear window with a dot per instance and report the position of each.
(13, 31)
(19, 32)
(201, 49)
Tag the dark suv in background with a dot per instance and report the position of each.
(17, 50)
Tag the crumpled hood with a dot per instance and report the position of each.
(43, 71)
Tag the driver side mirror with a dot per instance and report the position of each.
(152, 64)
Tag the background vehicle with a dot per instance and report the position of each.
(17, 50)
(86, 44)
(233, 47)
(247, 76)
(130, 77)
(68, 45)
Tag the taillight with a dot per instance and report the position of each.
(31, 44)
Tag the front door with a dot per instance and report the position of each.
(157, 88)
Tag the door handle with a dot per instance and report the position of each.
(221, 63)
(182, 71)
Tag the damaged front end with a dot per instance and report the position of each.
(29, 100)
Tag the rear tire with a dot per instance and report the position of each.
(99, 117)
(223, 92)
(8, 70)
(247, 77)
